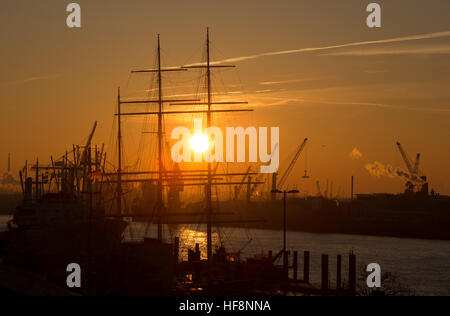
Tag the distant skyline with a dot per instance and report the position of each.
(313, 68)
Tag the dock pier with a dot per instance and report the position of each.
(304, 286)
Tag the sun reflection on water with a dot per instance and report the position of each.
(136, 232)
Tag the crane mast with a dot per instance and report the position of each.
(413, 179)
(292, 164)
(416, 165)
(405, 158)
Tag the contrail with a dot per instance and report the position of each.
(315, 49)
(32, 79)
(394, 51)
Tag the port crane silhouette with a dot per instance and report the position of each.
(413, 170)
(413, 179)
(292, 164)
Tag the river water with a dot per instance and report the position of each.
(421, 265)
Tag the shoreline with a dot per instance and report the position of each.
(338, 233)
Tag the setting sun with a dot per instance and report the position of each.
(245, 149)
(199, 143)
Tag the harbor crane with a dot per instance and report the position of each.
(292, 164)
(413, 179)
(306, 175)
(416, 165)
(413, 170)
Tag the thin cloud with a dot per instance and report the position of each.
(394, 51)
(32, 79)
(332, 47)
(376, 71)
(273, 83)
(276, 101)
(264, 91)
(382, 106)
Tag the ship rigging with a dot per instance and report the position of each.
(207, 178)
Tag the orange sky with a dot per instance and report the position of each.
(55, 81)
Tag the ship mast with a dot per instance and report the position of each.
(209, 209)
(209, 112)
(160, 114)
(159, 198)
(119, 169)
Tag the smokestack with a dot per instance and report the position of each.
(353, 187)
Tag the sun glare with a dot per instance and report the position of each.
(199, 143)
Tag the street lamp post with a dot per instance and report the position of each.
(285, 259)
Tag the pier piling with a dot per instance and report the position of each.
(286, 265)
(339, 273)
(352, 274)
(306, 266)
(176, 249)
(295, 265)
(325, 274)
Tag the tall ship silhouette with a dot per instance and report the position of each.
(80, 208)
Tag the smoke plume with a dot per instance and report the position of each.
(355, 154)
(377, 169)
